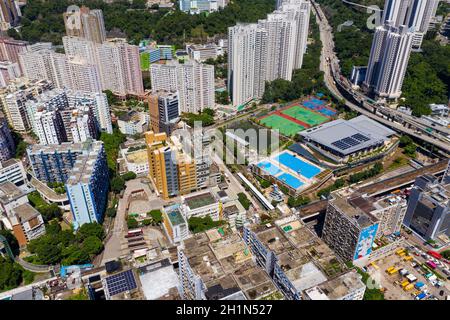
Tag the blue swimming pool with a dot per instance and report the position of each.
(290, 180)
(269, 168)
(301, 167)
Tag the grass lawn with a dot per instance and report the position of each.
(145, 61)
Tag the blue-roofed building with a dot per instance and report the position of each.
(87, 186)
(154, 55)
(165, 52)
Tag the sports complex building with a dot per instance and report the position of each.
(341, 140)
(289, 170)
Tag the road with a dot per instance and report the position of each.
(234, 184)
(329, 61)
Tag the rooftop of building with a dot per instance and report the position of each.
(65, 147)
(138, 156)
(200, 200)
(354, 205)
(130, 116)
(174, 215)
(25, 212)
(226, 266)
(341, 286)
(350, 136)
(10, 192)
(83, 169)
(439, 192)
(158, 279)
(9, 162)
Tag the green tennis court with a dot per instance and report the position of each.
(286, 127)
(305, 115)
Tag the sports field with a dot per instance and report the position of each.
(286, 127)
(305, 115)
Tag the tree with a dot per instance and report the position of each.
(92, 245)
(132, 223)
(12, 241)
(117, 184)
(222, 97)
(244, 200)
(156, 216)
(10, 274)
(112, 99)
(89, 230)
(111, 212)
(50, 212)
(129, 176)
(46, 248)
(299, 201)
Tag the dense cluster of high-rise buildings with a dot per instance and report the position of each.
(267, 50)
(404, 25)
(193, 80)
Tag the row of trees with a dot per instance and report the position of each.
(42, 20)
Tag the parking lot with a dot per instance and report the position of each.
(392, 283)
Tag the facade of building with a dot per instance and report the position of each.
(62, 70)
(9, 71)
(13, 100)
(172, 171)
(87, 186)
(10, 49)
(349, 227)
(133, 122)
(49, 127)
(428, 212)
(416, 14)
(83, 125)
(194, 82)
(195, 7)
(268, 50)
(98, 102)
(7, 145)
(164, 111)
(389, 57)
(86, 23)
(117, 63)
(9, 14)
(54, 163)
(12, 170)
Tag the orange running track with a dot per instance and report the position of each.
(303, 124)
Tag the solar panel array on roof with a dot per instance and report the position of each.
(360, 137)
(121, 282)
(350, 142)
